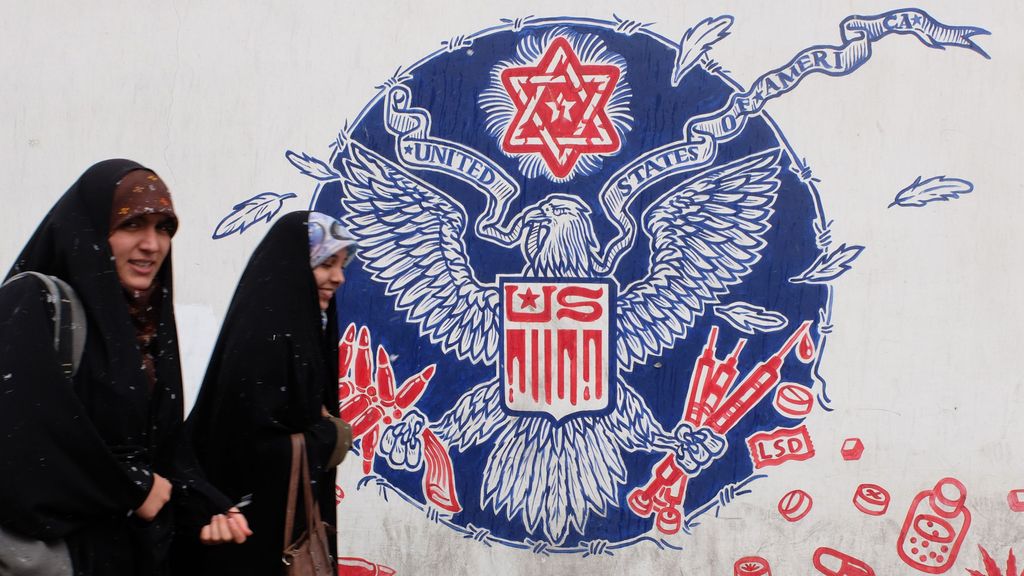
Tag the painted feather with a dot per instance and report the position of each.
(312, 167)
(937, 189)
(829, 265)
(697, 42)
(750, 318)
(245, 214)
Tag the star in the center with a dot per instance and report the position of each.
(561, 108)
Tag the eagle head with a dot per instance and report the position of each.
(559, 240)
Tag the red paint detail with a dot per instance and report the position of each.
(699, 380)
(582, 311)
(385, 378)
(871, 499)
(566, 353)
(345, 389)
(751, 566)
(839, 564)
(725, 374)
(780, 445)
(363, 360)
(852, 449)
(564, 357)
(795, 505)
(793, 400)
(367, 403)
(560, 108)
(805, 351)
(339, 494)
(534, 368)
(710, 379)
(355, 406)
(1016, 500)
(515, 345)
(351, 566)
(529, 300)
(542, 315)
(592, 366)
(412, 389)
(662, 496)
(345, 350)
(547, 368)
(439, 477)
(754, 387)
(369, 446)
(938, 516)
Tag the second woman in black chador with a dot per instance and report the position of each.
(274, 372)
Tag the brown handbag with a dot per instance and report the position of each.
(309, 554)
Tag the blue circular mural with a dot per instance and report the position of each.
(588, 302)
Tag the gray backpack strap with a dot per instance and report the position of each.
(73, 327)
(69, 323)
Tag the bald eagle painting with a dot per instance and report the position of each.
(554, 474)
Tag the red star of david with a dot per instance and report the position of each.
(560, 108)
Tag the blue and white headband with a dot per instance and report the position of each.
(326, 237)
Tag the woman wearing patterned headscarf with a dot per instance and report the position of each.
(86, 458)
(274, 372)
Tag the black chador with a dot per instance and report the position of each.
(274, 367)
(77, 456)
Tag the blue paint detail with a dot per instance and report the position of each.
(312, 167)
(260, 208)
(935, 189)
(830, 265)
(696, 44)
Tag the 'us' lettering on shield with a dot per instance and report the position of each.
(557, 350)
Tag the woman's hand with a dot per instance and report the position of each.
(159, 494)
(226, 528)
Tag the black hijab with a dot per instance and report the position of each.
(78, 451)
(273, 366)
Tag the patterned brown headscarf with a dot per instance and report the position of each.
(140, 192)
(143, 192)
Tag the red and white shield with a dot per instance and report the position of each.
(556, 346)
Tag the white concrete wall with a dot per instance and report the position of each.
(921, 364)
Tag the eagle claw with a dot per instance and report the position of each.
(697, 449)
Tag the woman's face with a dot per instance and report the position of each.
(139, 245)
(329, 276)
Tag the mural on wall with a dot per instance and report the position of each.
(602, 276)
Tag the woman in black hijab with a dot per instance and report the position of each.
(87, 459)
(274, 372)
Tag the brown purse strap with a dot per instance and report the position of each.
(298, 455)
(312, 510)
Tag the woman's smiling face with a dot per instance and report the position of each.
(329, 276)
(139, 246)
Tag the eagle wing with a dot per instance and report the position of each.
(411, 239)
(706, 234)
